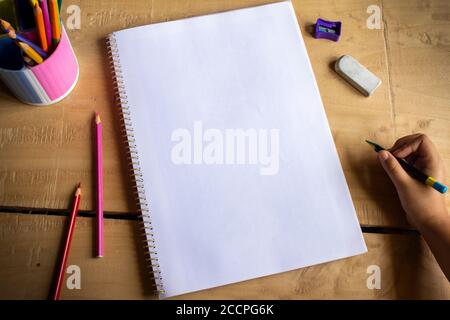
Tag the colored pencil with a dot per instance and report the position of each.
(55, 22)
(6, 27)
(29, 61)
(63, 260)
(98, 130)
(18, 37)
(413, 171)
(33, 3)
(30, 52)
(48, 27)
(40, 25)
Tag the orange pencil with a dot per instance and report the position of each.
(55, 21)
(39, 17)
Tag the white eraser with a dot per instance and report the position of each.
(357, 75)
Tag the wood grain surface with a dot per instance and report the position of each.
(44, 152)
(29, 246)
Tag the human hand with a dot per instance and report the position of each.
(423, 205)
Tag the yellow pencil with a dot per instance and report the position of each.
(30, 52)
(28, 60)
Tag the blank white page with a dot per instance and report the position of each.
(226, 220)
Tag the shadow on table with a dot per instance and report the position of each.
(414, 271)
(148, 277)
(372, 179)
(148, 283)
(119, 136)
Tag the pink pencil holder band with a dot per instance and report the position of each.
(46, 83)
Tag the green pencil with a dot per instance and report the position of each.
(414, 172)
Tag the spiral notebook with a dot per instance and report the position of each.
(235, 166)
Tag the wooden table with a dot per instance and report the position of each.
(44, 152)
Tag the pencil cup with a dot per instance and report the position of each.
(46, 83)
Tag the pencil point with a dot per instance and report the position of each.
(78, 191)
(375, 146)
(97, 118)
(370, 143)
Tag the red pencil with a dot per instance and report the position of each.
(63, 261)
(98, 130)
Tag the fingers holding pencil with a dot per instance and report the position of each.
(420, 151)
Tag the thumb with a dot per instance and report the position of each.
(393, 168)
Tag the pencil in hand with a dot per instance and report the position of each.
(413, 171)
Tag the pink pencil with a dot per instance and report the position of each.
(98, 130)
(48, 27)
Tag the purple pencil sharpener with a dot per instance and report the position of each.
(330, 30)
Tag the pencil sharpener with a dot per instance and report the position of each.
(330, 30)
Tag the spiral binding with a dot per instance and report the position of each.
(134, 166)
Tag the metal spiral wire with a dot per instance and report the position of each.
(134, 164)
